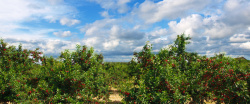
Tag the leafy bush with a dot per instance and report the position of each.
(78, 77)
(174, 75)
(171, 76)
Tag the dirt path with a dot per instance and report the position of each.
(114, 96)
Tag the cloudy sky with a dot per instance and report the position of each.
(117, 28)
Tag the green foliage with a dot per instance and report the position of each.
(171, 76)
(78, 77)
(118, 73)
(176, 76)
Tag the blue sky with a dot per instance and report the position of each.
(117, 28)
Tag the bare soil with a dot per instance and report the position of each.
(116, 98)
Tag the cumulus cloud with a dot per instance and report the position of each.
(219, 30)
(138, 49)
(33, 34)
(24, 10)
(63, 34)
(169, 9)
(105, 14)
(99, 27)
(118, 5)
(110, 45)
(69, 22)
(211, 35)
(50, 47)
(190, 25)
(209, 31)
(159, 37)
(93, 42)
(240, 38)
(123, 34)
(245, 45)
(198, 26)
(214, 26)
(158, 33)
(112, 38)
(14, 13)
(120, 58)
(237, 12)
(55, 1)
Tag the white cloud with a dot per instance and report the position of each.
(91, 31)
(119, 5)
(189, 25)
(158, 37)
(138, 49)
(105, 14)
(69, 22)
(198, 26)
(112, 37)
(123, 8)
(245, 45)
(111, 44)
(169, 9)
(239, 38)
(219, 30)
(13, 10)
(98, 27)
(213, 26)
(211, 34)
(50, 47)
(159, 32)
(93, 42)
(55, 46)
(114, 31)
(237, 12)
(120, 58)
(26, 10)
(55, 1)
(8, 27)
(13, 13)
(123, 34)
(63, 34)
(205, 21)
(122, 2)
(232, 4)
(33, 34)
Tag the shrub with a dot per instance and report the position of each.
(80, 77)
(174, 75)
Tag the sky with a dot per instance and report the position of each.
(117, 28)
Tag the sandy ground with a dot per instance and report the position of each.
(116, 98)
